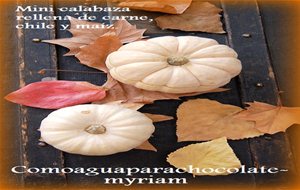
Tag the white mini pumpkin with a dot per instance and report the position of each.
(96, 129)
(174, 64)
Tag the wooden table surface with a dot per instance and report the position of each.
(256, 55)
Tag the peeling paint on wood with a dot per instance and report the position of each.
(28, 61)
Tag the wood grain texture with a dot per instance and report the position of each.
(258, 83)
(32, 57)
(279, 23)
(9, 113)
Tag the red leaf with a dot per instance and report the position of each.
(56, 94)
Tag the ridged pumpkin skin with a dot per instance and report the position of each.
(174, 64)
(79, 129)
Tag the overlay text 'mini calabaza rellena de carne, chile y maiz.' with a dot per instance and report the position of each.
(78, 9)
(39, 15)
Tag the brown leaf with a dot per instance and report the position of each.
(92, 44)
(214, 154)
(165, 6)
(127, 32)
(94, 54)
(84, 33)
(89, 30)
(200, 16)
(130, 94)
(158, 117)
(203, 119)
(270, 119)
(146, 146)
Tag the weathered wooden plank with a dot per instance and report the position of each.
(32, 58)
(257, 84)
(280, 21)
(10, 131)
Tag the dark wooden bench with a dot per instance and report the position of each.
(256, 82)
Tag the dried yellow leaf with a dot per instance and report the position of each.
(209, 158)
(203, 119)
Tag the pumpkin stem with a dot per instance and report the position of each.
(95, 129)
(177, 61)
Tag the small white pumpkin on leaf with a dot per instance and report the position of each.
(96, 129)
(174, 64)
